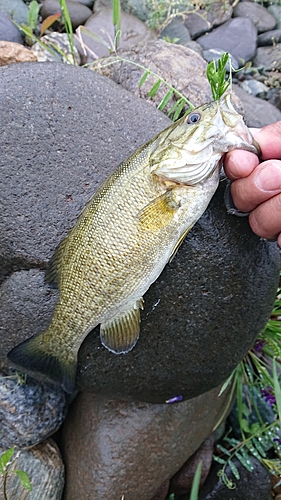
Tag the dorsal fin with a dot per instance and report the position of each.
(52, 273)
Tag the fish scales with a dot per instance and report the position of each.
(125, 236)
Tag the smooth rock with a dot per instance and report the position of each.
(133, 30)
(137, 8)
(181, 482)
(11, 52)
(179, 66)
(29, 411)
(201, 21)
(269, 58)
(88, 3)
(113, 448)
(14, 9)
(45, 468)
(253, 485)
(8, 31)
(237, 36)
(275, 10)
(162, 491)
(215, 54)
(59, 40)
(269, 38)
(258, 14)
(204, 311)
(258, 112)
(78, 12)
(176, 30)
(254, 87)
(274, 97)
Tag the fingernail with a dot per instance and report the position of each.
(269, 178)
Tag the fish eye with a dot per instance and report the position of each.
(193, 118)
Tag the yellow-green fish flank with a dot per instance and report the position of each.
(128, 231)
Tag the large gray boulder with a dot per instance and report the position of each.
(66, 128)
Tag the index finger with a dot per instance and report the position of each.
(240, 163)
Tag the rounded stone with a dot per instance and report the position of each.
(259, 15)
(202, 314)
(44, 466)
(17, 8)
(78, 12)
(237, 36)
(29, 411)
(9, 32)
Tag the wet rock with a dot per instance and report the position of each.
(180, 66)
(183, 347)
(268, 57)
(8, 31)
(44, 466)
(181, 482)
(258, 112)
(133, 30)
(29, 411)
(258, 14)
(14, 9)
(78, 12)
(275, 10)
(269, 38)
(113, 448)
(11, 52)
(177, 31)
(237, 36)
(53, 40)
(253, 485)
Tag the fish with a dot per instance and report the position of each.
(128, 231)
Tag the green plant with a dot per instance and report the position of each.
(6, 471)
(256, 373)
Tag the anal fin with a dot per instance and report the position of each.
(178, 244)
(120, 334)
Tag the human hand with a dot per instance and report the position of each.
(256, 186)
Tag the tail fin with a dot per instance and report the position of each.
(31, 357)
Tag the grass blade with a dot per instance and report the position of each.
(196, 483)
(277, 388)
(180, 105)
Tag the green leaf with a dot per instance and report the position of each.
(277, 388)
(219, 460)
(180, 105)
(154, 89)
(165, 100)
(143, 78)
(258, 447)
(33, 14)
(24, 479)
(216, 75)
(223, 449)
(245, 460)
(196, 483)
(234, 469)
(5, 458)
(244, 424)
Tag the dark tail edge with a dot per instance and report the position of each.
(31, 359)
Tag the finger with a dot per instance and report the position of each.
(239, 164)
(263, 183)
(265, 220)
(269, 140)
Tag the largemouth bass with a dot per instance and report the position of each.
(127, 233)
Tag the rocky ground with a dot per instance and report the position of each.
(66, 127)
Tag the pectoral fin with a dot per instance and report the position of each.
(159, 212)
(120, 334)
